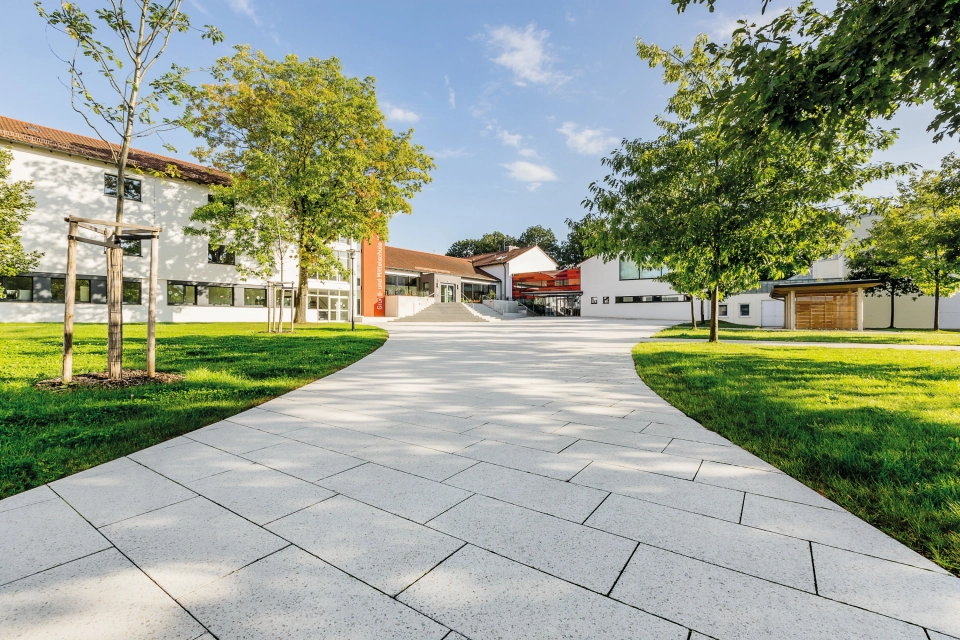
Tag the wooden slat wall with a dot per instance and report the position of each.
(827, 310)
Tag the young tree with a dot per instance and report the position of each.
(311, 157)
(864, 264)
(914, 232)
(120, 104)
(16, 203)
(717, 205)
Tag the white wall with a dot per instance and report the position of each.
(403, 306)
(600, 279)
(67, 185)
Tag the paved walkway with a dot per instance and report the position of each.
(502, 480)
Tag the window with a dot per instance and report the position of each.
(131, 292)
(131, 248)
(219, 255)
(606, 299)
(18, 288)
(630, 271)
(58, 289)
(220, 296)
(671, 298)
(744, 310)
(131, 187)
(593, 301)
(255, 297)
(723, 311)
(178, 294)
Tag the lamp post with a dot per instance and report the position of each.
(351, 255)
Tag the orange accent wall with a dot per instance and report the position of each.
(373, 279)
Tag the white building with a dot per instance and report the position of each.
(618, 289)
(71, 176)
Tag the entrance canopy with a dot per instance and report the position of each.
(823, 305)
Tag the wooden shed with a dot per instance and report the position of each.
(823, 305)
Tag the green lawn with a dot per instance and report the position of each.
(229, 367)
(877, 336)
(877, 431)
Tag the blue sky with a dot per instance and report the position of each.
(517, 101)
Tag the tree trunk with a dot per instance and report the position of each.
(701, 309)
(715, 314)
(693, 314)
(301, 299)
(893, 300)
(114, 314)
(936, 305)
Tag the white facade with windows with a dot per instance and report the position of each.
(197, 283)
(618, 289)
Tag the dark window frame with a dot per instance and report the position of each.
(220, 255)
(740, 307)
(647, 299)
(254, 304)
(593, 300)
(111, 190)
(6, 279)
(77, 297)
(127, 286)
(185, 302)
(722, 310)
(233, 296)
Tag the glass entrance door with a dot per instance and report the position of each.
(448, 293)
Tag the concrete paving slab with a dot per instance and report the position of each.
(542, 463)
(707, 500)
(234, 438)
(694, 433)
(100, 597)
(615, 436)
(25, 499)
(522, 437)
(772, 485)
(187, 462)
(333, 438)
(439, 439)
(716, 453)
(485, 596)
(103, 498)
(399, 493)
(258, 493)
(187, 545)
(385, 551)
(43, 535)
(669, 465)
(269, 421)
(829, 527)
(727, 604)
(752, 551)
(664, 416)
(573, 552)
(435, 420)
(292, 595)
(927, 598)
(419, 461)
(303, 461)
(562, 499)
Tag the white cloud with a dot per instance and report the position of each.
(529, 153)
(569, 18)
(509, 139)
(245, 7)
(525, 54)
(533, 174)
(399, 115)
(452, 153)
(451, 94)
(589, 142)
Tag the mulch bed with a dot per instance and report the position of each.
(99, 380)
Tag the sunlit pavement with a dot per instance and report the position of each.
(484, 480)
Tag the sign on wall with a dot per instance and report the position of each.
(373, 278)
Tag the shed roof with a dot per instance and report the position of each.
(410, 260)
(498, 257)
(96, 149)
(781, 289)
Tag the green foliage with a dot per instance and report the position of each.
(546, 239)
(16, 203)
(914, 231)
(541, 237)
(731, 331)
(810, 70)
(489, 243)
(311, 157)
(229, 368)
(863, 263)
(874, 430)
(719, 206)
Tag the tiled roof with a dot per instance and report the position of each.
(409, 260)
(498, 257)
(96, 149)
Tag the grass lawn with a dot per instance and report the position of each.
(877, 431)
(878, 336)
(229, 367)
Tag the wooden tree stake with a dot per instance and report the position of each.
(69, 301)
(152, 309)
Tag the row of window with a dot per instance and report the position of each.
(634, 299)
(629, 270)
(181, 294)
(743, 309)
(20, 289)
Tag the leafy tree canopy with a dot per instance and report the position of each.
(717, 205)
(808, 70)
(16, 203)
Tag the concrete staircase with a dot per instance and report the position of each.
(444, 312)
